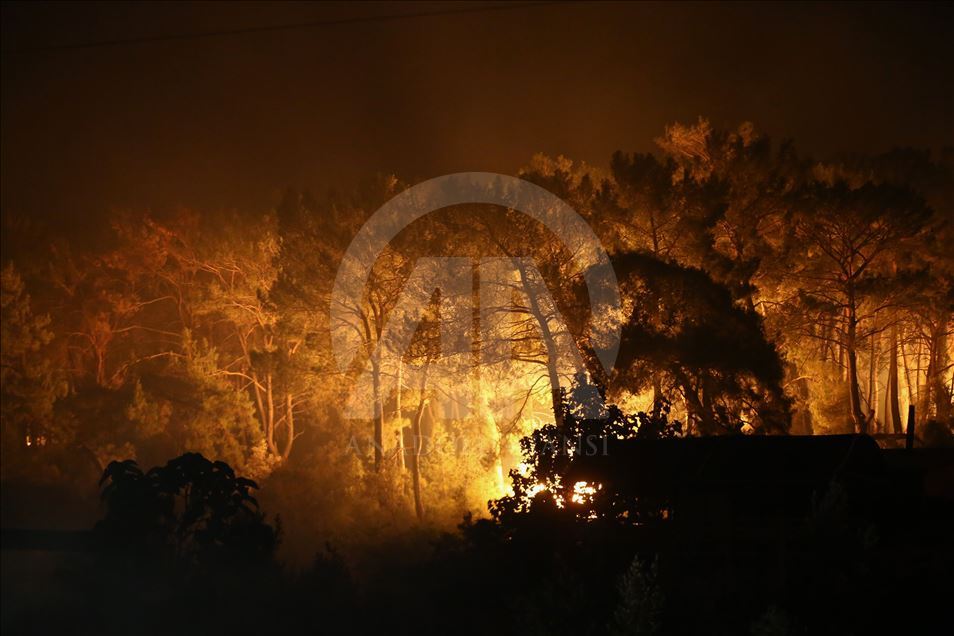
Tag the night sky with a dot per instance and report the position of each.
(230, 121)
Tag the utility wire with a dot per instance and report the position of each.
(171, 37)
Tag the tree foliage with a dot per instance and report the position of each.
(192, 510)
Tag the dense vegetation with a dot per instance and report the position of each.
(764, 292)
(684, 548)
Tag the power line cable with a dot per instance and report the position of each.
(170, 37)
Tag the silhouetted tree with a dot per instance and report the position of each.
(713, 353)
(192, 511)
(549, 451)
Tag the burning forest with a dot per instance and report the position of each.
(689, 378)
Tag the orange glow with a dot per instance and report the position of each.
(583, 492)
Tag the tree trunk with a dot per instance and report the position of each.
(397, 389)
(415, 443)
(398, 420)
(924, 390)
(892, 403)
(854, 394)
(267, 430)
(378, 440)
(873, 382)
(704, 422)
(411, 444)
(290, 425)
(842, 367)
(549, 343)
(909, 386)
(696, 412)
(939, 357)
(270, 405)
(400, 452)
